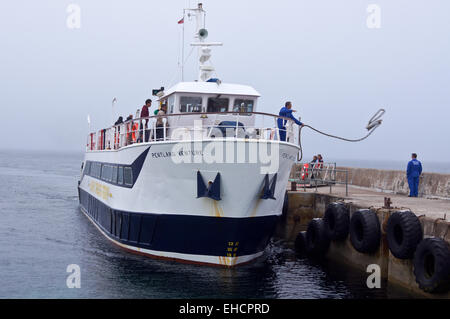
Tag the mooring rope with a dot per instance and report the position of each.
(373, 124)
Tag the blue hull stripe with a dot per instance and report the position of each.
(199, 235)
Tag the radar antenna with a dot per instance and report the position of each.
(204, 51)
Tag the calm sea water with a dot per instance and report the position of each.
(42, 231)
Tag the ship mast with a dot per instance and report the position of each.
(204, 51)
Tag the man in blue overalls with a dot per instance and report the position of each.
(413, 173)
(286, 111)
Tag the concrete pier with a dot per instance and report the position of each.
(434, 215)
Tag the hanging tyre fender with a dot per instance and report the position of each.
(337, 221)
(404, 233)
(317, 241)
(300, 243)
(365, 233)
(432, 265)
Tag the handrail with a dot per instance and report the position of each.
(204, 113)
(132, 131)
(321, 174)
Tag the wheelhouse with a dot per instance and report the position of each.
(189, 98)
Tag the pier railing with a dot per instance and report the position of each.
(314, 175)
(192, 126)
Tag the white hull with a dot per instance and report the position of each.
(181, 226)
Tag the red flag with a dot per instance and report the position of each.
(181, 21)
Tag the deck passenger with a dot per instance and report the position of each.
(313, 166)
(119, 121)
(320, 160)
(117, 132)
(145, 113)
(286, 111)
(413, 172)
(319, 166)
(160, 123)
(129, 127)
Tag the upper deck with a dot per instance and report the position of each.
(192, 127)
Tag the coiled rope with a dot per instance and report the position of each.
(373, 124)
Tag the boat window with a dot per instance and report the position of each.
(99, 175)
(241, 105)
(87, 168)
(98, 169)
(92, 170)
(109, 173)
(114, 174)
(128, 176)
(218, 104)
(190, 104)
(105, 171)
(120, 175)
(171, 101)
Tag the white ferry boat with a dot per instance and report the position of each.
(204, 183)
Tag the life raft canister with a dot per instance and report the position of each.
(128, 132)
(134, 131)
(305, 170)
(116, 136)
(100, 140)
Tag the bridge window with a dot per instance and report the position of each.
(243, 106)
(190, 104)
(171, 102)
(218, 104)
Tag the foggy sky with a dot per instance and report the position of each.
(319, 54)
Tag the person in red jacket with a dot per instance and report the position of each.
(145, 113)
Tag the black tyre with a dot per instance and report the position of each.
(317, 241)
(300, 243)
(337, 221)
(432, 265)
(284, 211)
(404, 232)
(365, 231)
